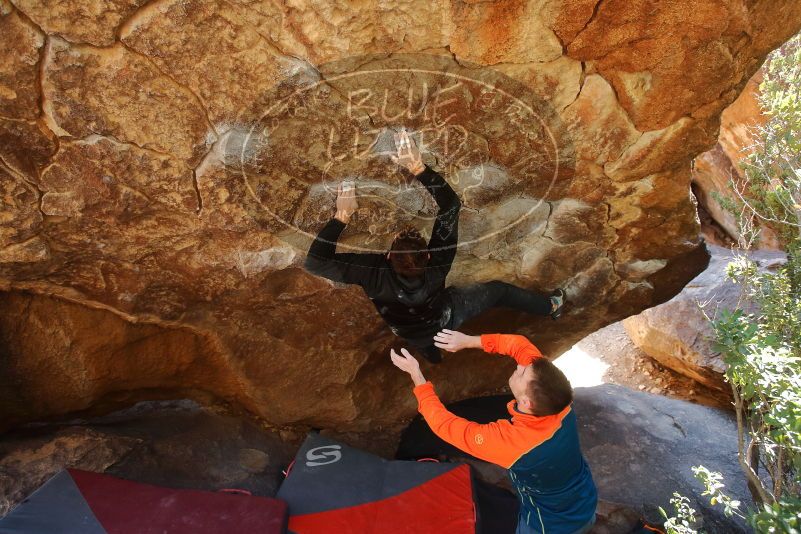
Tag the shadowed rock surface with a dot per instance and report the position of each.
(641, 448)
(164, 165)
(174, 444)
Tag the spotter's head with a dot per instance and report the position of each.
(541, 388)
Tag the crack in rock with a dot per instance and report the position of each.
(196, 97)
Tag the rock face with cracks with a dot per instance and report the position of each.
(164, 166)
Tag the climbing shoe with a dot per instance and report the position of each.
(558, 298)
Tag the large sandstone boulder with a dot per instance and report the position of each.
(164, 166)
(678, 334)
(717, 170)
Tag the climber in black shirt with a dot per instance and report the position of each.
(407, 284)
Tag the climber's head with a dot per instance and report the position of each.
(408, 254)
(540, 388)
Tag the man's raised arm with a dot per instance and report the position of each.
(445, 234)
(484, 441)
(445, 197)
(518, 347)
(322, 258)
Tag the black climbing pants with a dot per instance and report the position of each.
(470, 301)
(467, 302)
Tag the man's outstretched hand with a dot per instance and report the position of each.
(408, 153)
(407, 363)
(451, 340)
(346, 203)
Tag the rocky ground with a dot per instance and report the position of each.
(608, 356)
(652, 443)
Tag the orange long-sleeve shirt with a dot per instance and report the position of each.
(502, 442)
(552, 478)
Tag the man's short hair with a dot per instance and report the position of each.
(549, 390)
(408, 254)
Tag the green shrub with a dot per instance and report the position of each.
(761, 340)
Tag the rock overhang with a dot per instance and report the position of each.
(169, 163)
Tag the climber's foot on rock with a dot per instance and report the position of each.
(557, 303)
